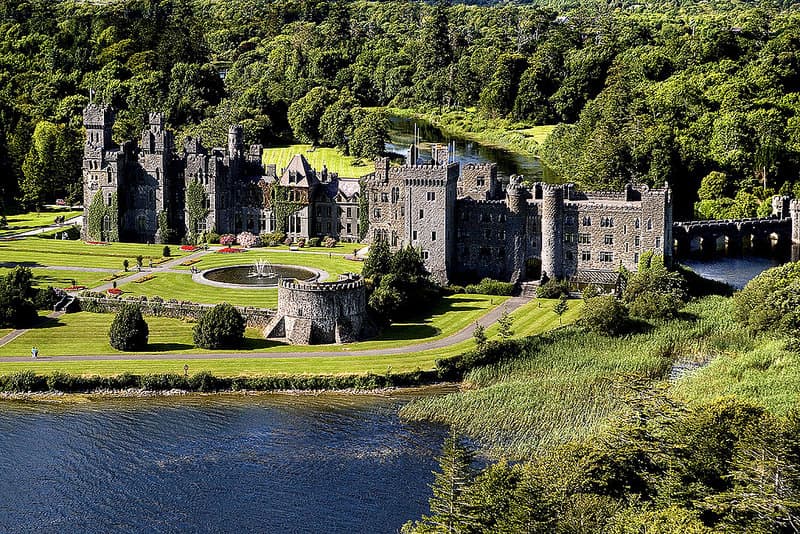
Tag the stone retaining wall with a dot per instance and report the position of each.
(254, 317)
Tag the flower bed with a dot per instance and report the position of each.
(189, 248)
(144, 279)
(114, 291)
(75, 288)
(229, 250)
(187, 263)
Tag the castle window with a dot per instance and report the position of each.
(586, 255)
(376, 213)
(637, 223)
(584, 239)
(501, 234)
(649, 224)
(414, 235)
(624, 229)
(272, 221)
(568, 255)
(658, 242)
(569, 238)
(421, 214)
(431, 195)
(635, 257)
(608, 239)
(384, 197)
(395, 194)
(587, 221)
(636, 241)
(349, 212)
(626, 247)
(402, 211)
(480, 181)
(424, 254)
(607, 257)
(569, 220)
(606, 222)
(502, 217)
(394, 238)
(202, 226)
(501, 253)
(433, 236)
(263, 221)
(110, 197)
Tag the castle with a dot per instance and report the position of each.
(461, 219)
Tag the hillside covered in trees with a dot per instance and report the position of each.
(665, 92)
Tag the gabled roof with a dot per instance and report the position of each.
(300, 171)
(349, 187)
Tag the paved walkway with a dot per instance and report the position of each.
(164, 267)
(462, 335)
(42, 229)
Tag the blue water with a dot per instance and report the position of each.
(276, 463)
(735, 271)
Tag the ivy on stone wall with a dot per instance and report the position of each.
(164, 231)
(363, 209)
(97, 213)
(276, 197)
(196, 211)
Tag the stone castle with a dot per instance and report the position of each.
(465, 224)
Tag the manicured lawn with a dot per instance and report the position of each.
(344, 166)
(333, 265)
(62, 279)
(29, 221)
(5, 331)
(34, 252)
(182, 287)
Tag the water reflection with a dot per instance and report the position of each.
(276, 463)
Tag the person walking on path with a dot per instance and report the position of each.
(34, 352)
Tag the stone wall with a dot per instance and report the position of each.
(313, 313)
(155, 307)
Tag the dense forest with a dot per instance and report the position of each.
(666, 92)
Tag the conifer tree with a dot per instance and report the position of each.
(450, 511)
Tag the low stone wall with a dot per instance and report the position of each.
(174, 309)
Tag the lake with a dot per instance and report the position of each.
(267, 463)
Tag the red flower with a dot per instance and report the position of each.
(114, 291)
(228, 250)
(188, 248)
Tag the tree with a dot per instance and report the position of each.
(16, 298)
(506, 323)
(378, 262)
(369, 135)
(221, 327)
(604, 315)
(560, 307)
(479, 334)
(655, 292)
(129, 331)
(51, 165)
(448, 504)
(305, 114)
(126, 264)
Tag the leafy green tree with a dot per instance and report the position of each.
(378, 262)
(506, 323)
(449, 506)
(713, 186)
(51, 165)
(655, 292)
(771, 301)
(304, 115)
(605, 315)
(560, 307)
(129, 330)
(16, 298)
(479, 334)
(370, 132)
(221, 327)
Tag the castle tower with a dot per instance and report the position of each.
(552, 230)
(235, 142)
(155, 193)
(516, 200)
(99, 121)
(102, 163)
(794, 213)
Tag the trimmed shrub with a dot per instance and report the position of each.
(221, 327)
(273, 239)
(212, 237)
(489, 286)
(552, 289)
(166, 252)
(129, 330)
(314, 241)
(288, 241)
(329, 242)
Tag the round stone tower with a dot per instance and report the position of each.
(794, 213)
(516, 196)
(552, 230)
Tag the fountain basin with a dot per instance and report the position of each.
(241, 276)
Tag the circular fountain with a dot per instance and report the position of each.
(260, 275)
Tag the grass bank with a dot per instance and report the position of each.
(335, 161)
(520, 138)
(35, 252)
(565, 384)
(32, 220)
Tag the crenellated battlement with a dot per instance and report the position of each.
(295, 285)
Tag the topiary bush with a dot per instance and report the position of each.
(166, 252)
(221, 327)
(129, 330)
(552, 289)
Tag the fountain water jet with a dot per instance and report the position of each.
(262, 269)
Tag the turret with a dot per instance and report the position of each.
(235, 142)
(98, 120)
(552, 230)
(516, 196)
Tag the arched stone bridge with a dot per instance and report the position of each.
(731, 234)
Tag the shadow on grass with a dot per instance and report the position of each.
(12, 264)
(164, 347)
(259, 344)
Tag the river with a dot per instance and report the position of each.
(401, 134)
(269, 463)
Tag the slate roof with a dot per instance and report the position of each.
(302, 171)
(595, 276)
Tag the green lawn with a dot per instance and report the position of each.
(31, 220)
(344, 166)
(182, 287)
(333, 265)
(34, 252)
(62, 279)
